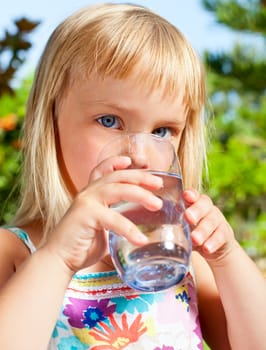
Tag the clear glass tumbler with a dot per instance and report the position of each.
(164, 260)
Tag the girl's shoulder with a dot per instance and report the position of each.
(15, 247)
(21, 235)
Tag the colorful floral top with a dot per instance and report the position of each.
(99, 312)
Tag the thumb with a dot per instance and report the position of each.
(190, 196)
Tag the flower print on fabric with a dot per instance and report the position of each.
(118, 337)
(194, 311)
(71, 343)
(139, 302)
(183, 295)
(87, 313)
(100, 313)
(59, 324)
(167, 320)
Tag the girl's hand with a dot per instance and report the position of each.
(80, 239)
(211, 234)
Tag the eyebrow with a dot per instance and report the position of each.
(107, 103)
(169, 120)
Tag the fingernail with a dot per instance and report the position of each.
(197, 238)
(191, 193)
(159, 181)
(191, 216)
(141, 238)
(209, 247)
(157, 202)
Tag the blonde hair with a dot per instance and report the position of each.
(117, 40)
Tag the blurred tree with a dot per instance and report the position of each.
(237, 92)
(13, 48)
(12, 52)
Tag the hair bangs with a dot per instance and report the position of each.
(152, 52)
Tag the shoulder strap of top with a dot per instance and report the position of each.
(23, 236)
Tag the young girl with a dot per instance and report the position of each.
(109, 70)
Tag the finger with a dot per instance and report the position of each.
(137, 177)
(219, 241)
(118, 192)
(107, 219)
(110, 165)
(120, 225)
(214, 242)
(206, 226)
(190, 196)
(199, 209)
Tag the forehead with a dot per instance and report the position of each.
(99, 87)
(125, 97)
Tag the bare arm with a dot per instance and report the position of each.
(35, 292)
(240, 285)
(243, 293)
(211, 312)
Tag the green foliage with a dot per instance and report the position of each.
(13, 47)
(12, 111)
(243, 70)
(244, 15)
(237, 92)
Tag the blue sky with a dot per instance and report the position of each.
(188, 15)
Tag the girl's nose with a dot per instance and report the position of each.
(139, 151)
(138, 162)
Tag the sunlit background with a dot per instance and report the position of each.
(188, 15)
(230, 36)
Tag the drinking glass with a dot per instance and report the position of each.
(164, 260)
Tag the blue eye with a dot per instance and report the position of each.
(162, 132)
(109, 121)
